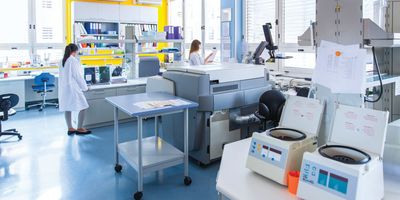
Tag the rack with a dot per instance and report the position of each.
(131, 49)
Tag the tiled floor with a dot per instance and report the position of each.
(48, 164)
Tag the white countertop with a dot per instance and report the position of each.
(236, 182)
(131, 82)
(17, 78)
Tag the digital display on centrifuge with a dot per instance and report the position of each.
(323, 177)
(338, 183)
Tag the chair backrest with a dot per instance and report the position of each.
(44, 77)
(160, 84)
(271, 105)
(7, 101)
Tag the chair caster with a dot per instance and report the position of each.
(138, 195)
(40, 109)
(187, 180)
(118, 168)
(19, 137)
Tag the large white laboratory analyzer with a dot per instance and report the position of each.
(350, 166)
(276, 152)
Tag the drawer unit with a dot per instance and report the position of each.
(100, 93)
(131, 90)
(99, 111)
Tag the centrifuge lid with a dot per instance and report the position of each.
(361, 128)
(303, 114)
(344, 154)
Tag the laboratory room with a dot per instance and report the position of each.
(200, 99)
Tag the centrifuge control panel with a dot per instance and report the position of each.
(332, 181)
(268, 153)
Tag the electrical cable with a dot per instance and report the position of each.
(366, 99)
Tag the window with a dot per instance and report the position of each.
(37, 27)
(14, 27)
(193, 20)
(213, 21)
(373, 9)
(49, 29)
(297, 17)
(212, 32)
(259, 12)
(175, 13)
(294, 17)
(210, 36)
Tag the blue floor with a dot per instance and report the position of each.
(48, 164)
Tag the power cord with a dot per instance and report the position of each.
(366, 99)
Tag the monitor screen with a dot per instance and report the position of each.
(268, 36)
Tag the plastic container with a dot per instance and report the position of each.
(293, 181)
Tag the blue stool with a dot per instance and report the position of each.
(43, 84)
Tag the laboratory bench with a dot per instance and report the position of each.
(99, 113)
(22, 86)
(235, 181)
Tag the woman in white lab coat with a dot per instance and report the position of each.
(194, 55)
(71, 86)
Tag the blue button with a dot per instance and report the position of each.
(252, 151)
(263, 155)
(254, 143)
(272, 159)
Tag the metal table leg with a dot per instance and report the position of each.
(159, 172)
(187, 179)
(138, 195)
(117, 167)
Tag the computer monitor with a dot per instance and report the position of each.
(268, 37)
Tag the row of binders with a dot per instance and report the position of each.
(140, 28)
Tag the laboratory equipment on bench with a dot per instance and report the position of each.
(277, 151)
(222, 91)
(349, 166)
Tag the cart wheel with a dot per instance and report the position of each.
(138, 195)
(19, 137)
(187, 180)
(118, 168)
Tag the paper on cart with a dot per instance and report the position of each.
(159, 104)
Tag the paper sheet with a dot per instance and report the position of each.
(397, 88)
(159, 104)
(341, 68)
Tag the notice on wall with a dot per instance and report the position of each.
(397, 88)
(226, 49)
(226, 15)
(341, 68)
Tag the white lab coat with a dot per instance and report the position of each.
(196, 59)
(71, 86)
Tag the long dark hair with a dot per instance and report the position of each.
(195, 46)
(67, 53)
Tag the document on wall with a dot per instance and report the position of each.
(226, 49)
(160, 104)
(397, 88)
(341, 67)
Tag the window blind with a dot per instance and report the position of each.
(297, 16)
(259, 12)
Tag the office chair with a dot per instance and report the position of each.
(270, 108)
(7, 101)
(43, 84)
